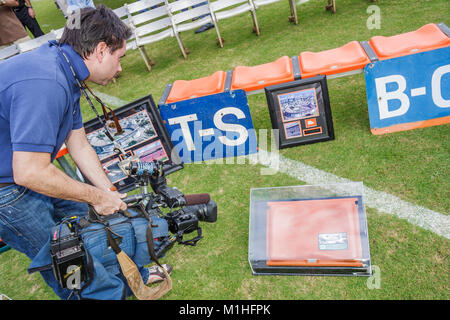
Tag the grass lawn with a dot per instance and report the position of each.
(412, 165)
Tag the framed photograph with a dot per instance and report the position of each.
(143, 133)
(137, 129)
(301, 111)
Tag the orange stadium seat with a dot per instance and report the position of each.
(428, 37)
(294, 227)
(258, 77)
(350, 56)
(183, 90)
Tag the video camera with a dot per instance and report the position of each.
(185, 210)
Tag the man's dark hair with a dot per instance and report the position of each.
(93, 26)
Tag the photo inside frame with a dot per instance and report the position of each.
(298, 105)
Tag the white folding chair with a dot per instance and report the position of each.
(150, 23)
(122, 13)
(293, 17)
(36, 42)
(223, 9)
(8, 52)
(182, 20)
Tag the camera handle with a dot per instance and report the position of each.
(191, 242)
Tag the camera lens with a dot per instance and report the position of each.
(209, 212)
(204, 212)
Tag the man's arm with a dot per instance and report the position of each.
(30, 9)
(35, 171)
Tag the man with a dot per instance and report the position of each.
(25, 13)
(78, 4)
(11, 30)
(39, 111)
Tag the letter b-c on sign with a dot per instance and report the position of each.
(409, 92)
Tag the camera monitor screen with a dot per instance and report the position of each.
(143, 134)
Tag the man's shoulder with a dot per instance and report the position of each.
(39, 64)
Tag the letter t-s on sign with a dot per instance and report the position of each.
(211, 127)
(409, 92)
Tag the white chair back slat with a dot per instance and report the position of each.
(132, 45)
(221, 4)
(149, 24)
(224, 14)
(183, 4)
(8, 52)
(264, 2)
(156, 37)
(132, 37)
(143, 5)
(194, 24)
(120, 12)
(190, 14)
(149, 15)
(36, 42)
(153, 27)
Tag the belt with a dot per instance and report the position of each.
(5, 184)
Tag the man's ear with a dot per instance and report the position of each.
(101, 50)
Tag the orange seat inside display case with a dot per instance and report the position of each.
(183, 89)
(428, 37)
(350, 56)
(321, 232)
(258, 77)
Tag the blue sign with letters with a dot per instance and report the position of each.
(210, 127)
(409, 92)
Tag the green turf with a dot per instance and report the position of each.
(412, 165)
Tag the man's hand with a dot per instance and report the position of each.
(110, 202)
(31, 12)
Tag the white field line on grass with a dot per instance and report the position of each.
(379, 200)
(110, 100)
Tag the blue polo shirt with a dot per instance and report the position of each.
(39, 102)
